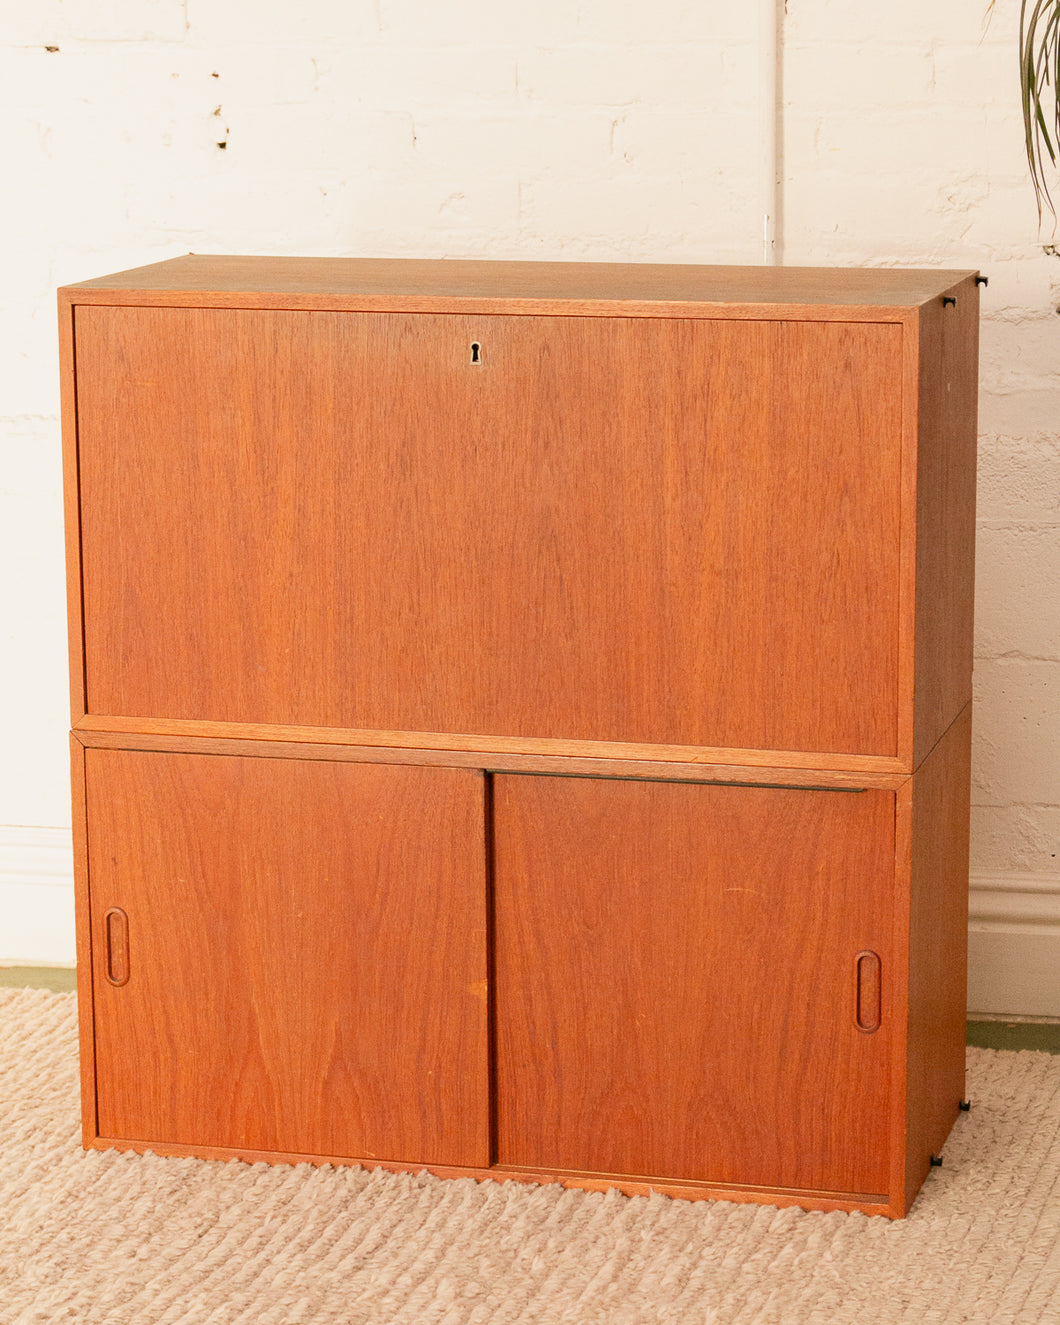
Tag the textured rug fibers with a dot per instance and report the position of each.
(118, 1239)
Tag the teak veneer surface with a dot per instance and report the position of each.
(813, 289)
(947, 394)
(430, 744)
(937, 804)
(676, 981)
(307, 955)
(624, 530)
(296, 746)
(417, 687)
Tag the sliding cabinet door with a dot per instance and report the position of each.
(289, 955)
(695, 982)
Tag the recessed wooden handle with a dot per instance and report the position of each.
(116, 932)
(868, 997)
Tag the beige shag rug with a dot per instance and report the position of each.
(113, 1239)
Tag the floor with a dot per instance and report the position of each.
(59, 979)
(993, 1034)
(1043, 1035)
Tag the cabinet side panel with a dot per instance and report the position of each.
(945, 513)
(72, 509)
(938, 948)
(676, 981)
(305, 952)
(82, 904)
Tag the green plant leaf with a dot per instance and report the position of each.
(1039, 55)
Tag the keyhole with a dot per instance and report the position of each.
(476, 355)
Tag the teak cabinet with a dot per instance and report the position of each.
(521, 718)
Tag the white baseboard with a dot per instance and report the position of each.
(1013, 923)
(1014, 944)
(36, 897)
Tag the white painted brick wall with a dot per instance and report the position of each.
(603, 129)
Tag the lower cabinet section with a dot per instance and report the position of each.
(702, 987)
(677, 981)
(301, 955)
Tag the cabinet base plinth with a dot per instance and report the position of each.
(868, 1203)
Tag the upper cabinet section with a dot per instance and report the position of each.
(653, 523)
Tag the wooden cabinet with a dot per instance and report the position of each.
(520, 717)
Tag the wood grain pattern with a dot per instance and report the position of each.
(903, 864)
(701, 558)
(938, 947)
(907, 543)
(83, 916)
(497, 762)
(71, 508)
(675, 981)
(307, 951)
(945, 513)
(689, 524)
(421, 745)
(598, 288)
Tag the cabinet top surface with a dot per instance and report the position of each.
(402, 279)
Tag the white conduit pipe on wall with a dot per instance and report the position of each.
(769, 19)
